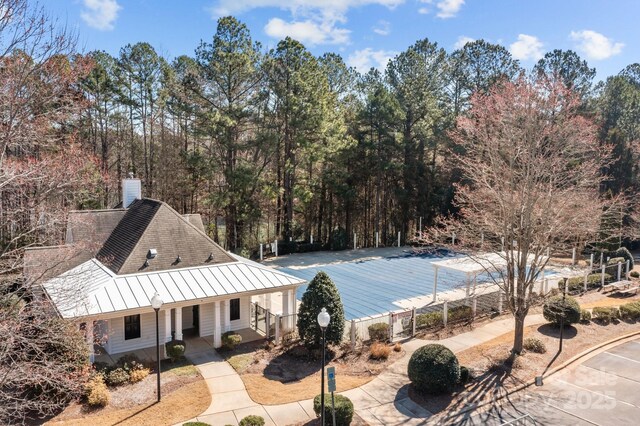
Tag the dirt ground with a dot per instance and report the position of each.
(494, 374)
(184, 395)
(282, 375)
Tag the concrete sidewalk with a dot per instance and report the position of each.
(382, 401)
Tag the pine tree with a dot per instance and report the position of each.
(321, 293)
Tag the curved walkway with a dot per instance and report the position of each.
(382, 401)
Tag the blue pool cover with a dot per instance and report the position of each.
(369, 287)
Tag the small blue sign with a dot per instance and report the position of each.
(331, 375)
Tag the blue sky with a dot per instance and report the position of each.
(368, 32)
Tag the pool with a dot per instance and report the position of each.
(369, 287)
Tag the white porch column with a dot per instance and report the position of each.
(167, 325)
(267, 301)
(217, 335)
(89, 339)
(293, 308)
(226, 326)
(286, 308)
(178, 323)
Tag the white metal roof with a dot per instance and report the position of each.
(477, 263)
(92, 289)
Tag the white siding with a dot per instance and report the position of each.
(244, 321)
(206, 319)
(147, 337)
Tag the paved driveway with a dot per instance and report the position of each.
(604, 390)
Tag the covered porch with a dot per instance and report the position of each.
(202, 324)
(194, 345)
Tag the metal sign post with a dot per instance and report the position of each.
(331, 384)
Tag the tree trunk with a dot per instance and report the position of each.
(518, 334)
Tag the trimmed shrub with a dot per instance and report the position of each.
(576, 284)
(117, 377)
(338, 239)
(379, 331)
(535, 345)
(397, 347)
(615, 260)
(97, 393)
(252, 420)
(465, 375)
(230, 340)
(585, 315)
(433, 369)
(460, 313)
(630, 311)
(138, 374)
(379, 351)
(605, 314)
(321, 293)
(430, 320)
(634, 274)
(554, 309)
(129, 362)
(343, 405)
(175, 349)
(308, 247)
(624, 253)
(287, 247)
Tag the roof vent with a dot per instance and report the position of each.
(152, 253)
(131, 190)
(210, 258)
(178, 259)
(145, 264)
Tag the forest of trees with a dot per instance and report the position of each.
(280, 143)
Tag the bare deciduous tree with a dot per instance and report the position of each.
(531, 167)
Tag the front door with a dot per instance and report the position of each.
(196, 317)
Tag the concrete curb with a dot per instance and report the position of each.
(565, 364)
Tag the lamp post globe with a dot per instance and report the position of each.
(323, 322)
(324, 318)
(156, 301)
(156, 304)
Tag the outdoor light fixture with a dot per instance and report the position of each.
(323, 322)
(156, 304)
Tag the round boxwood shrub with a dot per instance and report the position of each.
(379, 331)
(585, 316)
(344, 409)
(230, 340)
(554, 309)
(634, 274)
(252, 420)
(465, 375)
(117, 377)
(433, 369)
(175, 349)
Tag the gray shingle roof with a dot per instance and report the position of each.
(150, 224)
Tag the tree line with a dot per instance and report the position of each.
(282, 144)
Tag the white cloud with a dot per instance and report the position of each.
(527, 47)
(462, 40)
(383, 28)
(595, 45)
(446, 8)
(365, 59)
(307, 31)
(308, 17)
(100, 14)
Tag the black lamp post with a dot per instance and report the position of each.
(156, 303)
(323, 321)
